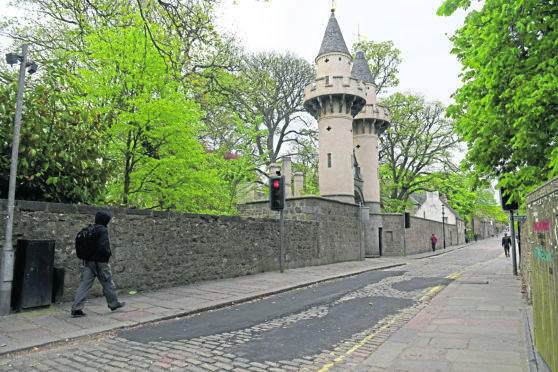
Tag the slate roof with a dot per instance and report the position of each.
(360, 70)
(333, 38)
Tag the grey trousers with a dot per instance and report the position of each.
(92, 270)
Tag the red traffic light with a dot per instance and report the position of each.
(277, 193)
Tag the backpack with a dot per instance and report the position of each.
(85, 243)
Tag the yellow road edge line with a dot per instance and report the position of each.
(459, 273)
(360, 344)
(432, 290)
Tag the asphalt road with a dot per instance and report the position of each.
(304, 321)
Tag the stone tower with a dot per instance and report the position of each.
(367, 126)
(343, 100)
(334, 99)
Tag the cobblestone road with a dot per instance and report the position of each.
(223, 351)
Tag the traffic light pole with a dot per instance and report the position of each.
(406, 225)
(282, 238)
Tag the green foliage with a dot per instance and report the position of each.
(384, 60)
(62, 151)
(414, 149)
(151, 122)
(458, 191)
(467, 199)
(507, 108)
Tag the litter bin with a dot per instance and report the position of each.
(33, 274)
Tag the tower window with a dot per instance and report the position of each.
(327, 60)
(329, 160)
(340, 58)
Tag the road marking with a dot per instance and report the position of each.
(430, 292)
(459, 273)
(361, 343)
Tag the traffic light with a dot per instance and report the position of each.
(277, 193)
(511, 206)
(407, 220)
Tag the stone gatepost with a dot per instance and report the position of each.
(287, 166)
(298, 183)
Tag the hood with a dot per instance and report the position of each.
(102, 217)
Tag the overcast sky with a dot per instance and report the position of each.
(298, 26)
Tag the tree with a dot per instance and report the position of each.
(62, 153)
(383, 59)
(151, 121)
(467, 197)
(415, 148)
(270, 101)
(507, 108)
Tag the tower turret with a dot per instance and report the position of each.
(367, 126)
(334, 98)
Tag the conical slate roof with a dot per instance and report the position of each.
(360, 70)
(333, 38)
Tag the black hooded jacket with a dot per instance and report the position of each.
(103, 253)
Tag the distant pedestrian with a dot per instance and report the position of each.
(466, 239)
(433, 240)
(506, 243)
(98, 267)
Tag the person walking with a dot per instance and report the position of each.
(506, 243)
(433, 240)
(98, 267)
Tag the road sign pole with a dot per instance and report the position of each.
(514, 259)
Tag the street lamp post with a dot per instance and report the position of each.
(7, 268)
(444, 226)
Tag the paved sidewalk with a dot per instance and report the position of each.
(477, 323)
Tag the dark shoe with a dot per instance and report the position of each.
(118, 306)
(78, 313)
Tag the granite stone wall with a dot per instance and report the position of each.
(417, 237)
(542, 246)
(338, 228)
(154, 249)
(343, 219)
(159, 249)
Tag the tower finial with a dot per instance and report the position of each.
(360, 37)
(333, 6)
(358, 32)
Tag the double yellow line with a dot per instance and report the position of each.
(390, 320)
(361, 343)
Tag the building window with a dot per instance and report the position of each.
(329, 160)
